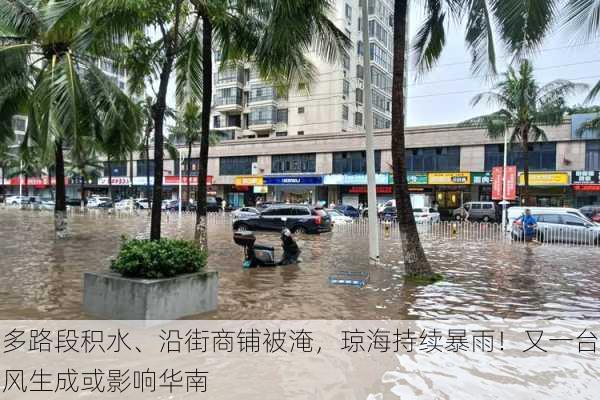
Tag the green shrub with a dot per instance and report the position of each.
(158, 259)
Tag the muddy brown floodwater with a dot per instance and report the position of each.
(41, 278)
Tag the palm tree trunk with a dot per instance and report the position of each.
(147, 150)
(200, 233)
(189, 170)
(131, 175)
(525, 145)
(26, 184)
(82, 197)
(415, 261)
(60, 205)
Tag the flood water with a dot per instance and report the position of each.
(41, 278)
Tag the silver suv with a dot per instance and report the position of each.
(476, 211)
(561, 227)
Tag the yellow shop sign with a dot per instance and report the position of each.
(248, 181)
(545, 178)
(449, 178)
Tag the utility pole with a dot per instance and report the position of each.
(368, 120)
(504, 202)
(180, 168)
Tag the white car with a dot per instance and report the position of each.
(426, 215)
(245, 212)
(95, 201)
(143, 203)
(47, 204)
(126, 204)
(17, 200)
(338, 218)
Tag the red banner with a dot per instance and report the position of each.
(174, 180)
(39, 182)
(586, 188)
(511, 182)
(363, 189)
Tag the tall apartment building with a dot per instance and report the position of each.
(245, 107)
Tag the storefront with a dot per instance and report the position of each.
(246, 191)
(34, 186)
(586, 188)
(352, 189)
(482, 186)
(547, 189)
(171, 186)
(451, 189)
(295, 189)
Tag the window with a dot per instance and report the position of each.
(346, 61)
(359, 48)
(433, 159)
(293, 163)
(262, 93)
(272, 212)
(117, 168)
(572, 220)
(359, 95)
(377, 31)
(476, 206)
(360, 71)
(381, 102)
(300, 110)
(300, 211)
(346, 88)
(354, 162)
(141, 167)
(217, 121)
(381, 80)
(193, 163)
(380, 56)
(228, 96)
(300, 133)
(345, 113)
(280, 134)
(381, 122)
(592, 155)
(487, 206)
(358, 119)
(282, 116)
(262, 115)
(542, 156)
(19, 124)
(549, 218)
(236, 165)
(348, 12)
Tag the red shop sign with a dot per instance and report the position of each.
(586, 188)
(511, 182)
(174, 180)
(363, 189)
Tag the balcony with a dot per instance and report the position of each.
(229, 76)
(229, 103)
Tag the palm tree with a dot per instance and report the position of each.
(48, 67)
(277, 36)
(522, 26)
(188, 131)
(524, 107)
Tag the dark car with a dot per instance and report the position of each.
(106, 204)
(389, 214)
(213, 205)
(297, 217)
(348, 210)
(75, 202)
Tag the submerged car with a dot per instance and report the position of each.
(245, 212)
(338, 218)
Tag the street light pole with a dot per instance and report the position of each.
(368, 120)
(180, 165)
(504, 181)
(21, 184)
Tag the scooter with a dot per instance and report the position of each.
(257, 255)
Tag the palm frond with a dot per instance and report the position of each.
(189, 67)
(583, 17)
(431, 36)
(480, 37)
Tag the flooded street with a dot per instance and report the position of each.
(41, 278)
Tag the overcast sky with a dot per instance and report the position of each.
(433, 98)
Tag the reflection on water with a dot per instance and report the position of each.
(41, 278)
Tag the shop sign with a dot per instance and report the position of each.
(481, 178)
(585, 177)
(415, 179)
(174, 180)
(261, 189)
(141, 180)
(249, 181)
(363, 189)
(115, 181)
(449, 178)
(586, 188)
(293, 180)
(360, 179)
(545, 178)
(44, 181)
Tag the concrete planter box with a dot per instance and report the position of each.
(111, 296)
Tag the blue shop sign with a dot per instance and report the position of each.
(293, 180)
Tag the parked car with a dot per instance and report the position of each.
(338, 218)
(592, 212)
(47, 203)
(514, 213)
(476, 211)
(17, 200)
(245, 212)
(348, 210)
(560, 225)
(213, 205)
(98, 201)
(143, 203)
(298, 218)
(126, 204)
(75, 201)
(389, 213)
(268, 204)
(106, 204)
(426, 215)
